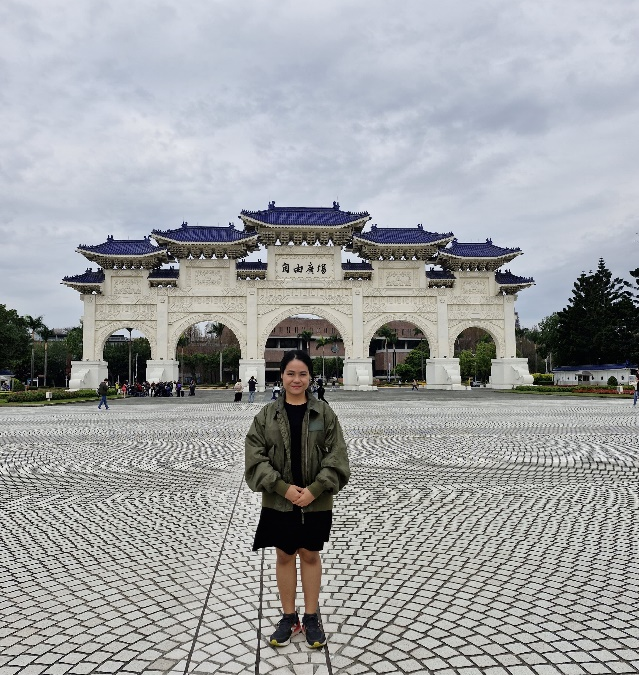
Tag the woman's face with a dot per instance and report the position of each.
(295, 380)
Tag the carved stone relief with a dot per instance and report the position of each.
(126, 286)
(474, 286)
(399, 278)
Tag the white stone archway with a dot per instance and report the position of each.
(303, 274)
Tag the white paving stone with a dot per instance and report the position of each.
(493, 535)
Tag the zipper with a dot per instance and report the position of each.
(307, 419)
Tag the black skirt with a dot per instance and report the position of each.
(285, 530)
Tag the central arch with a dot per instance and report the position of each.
(337, 319)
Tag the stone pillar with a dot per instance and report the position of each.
(442, 329)
(256, 368)
(87, 374)
(509, 373)
(162, 370)
(357, 329)
(358, 375)
(162, 330)
(510, 343)
(88, 328)
(251, 327)
(443, 374)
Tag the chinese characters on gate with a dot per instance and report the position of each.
(299, 269)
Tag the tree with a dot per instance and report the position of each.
(600, 323)
(46, 334)
(231, 358)
(34, 325)
(14, 338)
(416, 361)
(388, 335)
(306, 336)
(322, 342)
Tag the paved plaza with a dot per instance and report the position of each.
(482, 533)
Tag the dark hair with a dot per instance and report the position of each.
(300, 356)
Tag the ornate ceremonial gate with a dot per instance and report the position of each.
(304, 274)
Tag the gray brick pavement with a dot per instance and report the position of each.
(480, 534)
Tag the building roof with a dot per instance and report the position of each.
(399, 243)
(199, 234)
(196, 241)
(164, 273)
(86, 283)
(87, 277)
(484, 255)
(305, 216)
(252, 266)
(125, 253)
(440, 274)
(349, 266)
(301, 224)
(404, 235)
(599, 366)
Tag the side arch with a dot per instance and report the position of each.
(102, 334)
(497, 336)
(176, 329)
(339, 320)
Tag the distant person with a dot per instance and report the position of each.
(276, 391)
(636, 391)
(192, 388)
(238, 388)
(252, 383)
(414, 387)
(320, 392)
(103, 390)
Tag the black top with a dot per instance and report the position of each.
(295, 414)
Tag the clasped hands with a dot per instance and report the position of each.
(299, 496)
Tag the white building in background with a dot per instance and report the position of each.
(595, 375)
(303, 274)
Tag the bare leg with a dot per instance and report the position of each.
(286, 575)
(311, 571)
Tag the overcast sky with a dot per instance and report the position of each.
(512, 120)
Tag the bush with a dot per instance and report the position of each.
(16, 385)
(34, 396)
(542, 378)
(612, 381)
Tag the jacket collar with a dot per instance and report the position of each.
(313, 403)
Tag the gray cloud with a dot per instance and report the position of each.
(510, 120)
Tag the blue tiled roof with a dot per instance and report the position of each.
(305, 216)
(89, 277)
(402, 235)
(124, 247)
(251, 266)
(507, 277)
(483, 250)
(204, 235)
(600, 366)
(170, 273)
(349, 266)
(439, 274)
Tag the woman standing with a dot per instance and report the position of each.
(296, 457)
(238, 388)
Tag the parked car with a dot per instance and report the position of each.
(475, 383)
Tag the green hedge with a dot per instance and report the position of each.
(34, 396)
(542, 378)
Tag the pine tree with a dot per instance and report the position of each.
(599, 323)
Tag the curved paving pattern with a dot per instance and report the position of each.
(498, 538)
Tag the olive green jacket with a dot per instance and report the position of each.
(268, 455)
